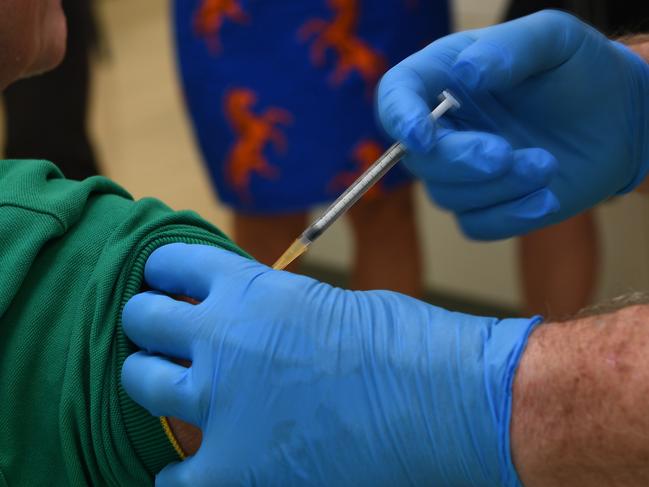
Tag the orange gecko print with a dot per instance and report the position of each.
(339, 35)
(365, 153)
(253, 133)
(211, 16)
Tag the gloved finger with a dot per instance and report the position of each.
(506, 54)
(182, 474)
(409, 91)
(159, 324)
(532, 170)
(182, 269)
(160, 386)
(195, 270)
(405, 109)
(463, 157)
(509, 219)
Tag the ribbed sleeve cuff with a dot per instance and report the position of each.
(147, 436)
(146, 433)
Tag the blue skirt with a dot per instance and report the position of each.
(281, 92)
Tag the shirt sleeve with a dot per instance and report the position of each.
(72, 254)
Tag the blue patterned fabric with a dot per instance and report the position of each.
(280, 92)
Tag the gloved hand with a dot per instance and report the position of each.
(554, 119)
(295, 383)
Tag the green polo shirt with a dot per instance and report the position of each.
(71, 255)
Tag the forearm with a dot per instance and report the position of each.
(581, 396)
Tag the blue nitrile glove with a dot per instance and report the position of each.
(297, 383)
(554, 119)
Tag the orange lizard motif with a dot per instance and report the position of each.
(211, 16)
(365, 153)
(253, 133)
(339, 34)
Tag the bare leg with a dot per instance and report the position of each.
(267, 237)
(387, 254)
(559, 267)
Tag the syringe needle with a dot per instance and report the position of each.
(345, 201)
(297, 248)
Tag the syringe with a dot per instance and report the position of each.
(346, 200)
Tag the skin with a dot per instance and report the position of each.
(387, 259)
(580, 395)
(639, 44)
(580, 398)
(32, 36)
(559, 267)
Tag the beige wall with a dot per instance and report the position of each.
(145, 144)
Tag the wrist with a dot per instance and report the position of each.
(449, 386)
(579, 402)
(473, 381)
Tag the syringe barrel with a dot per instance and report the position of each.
(364, 182)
